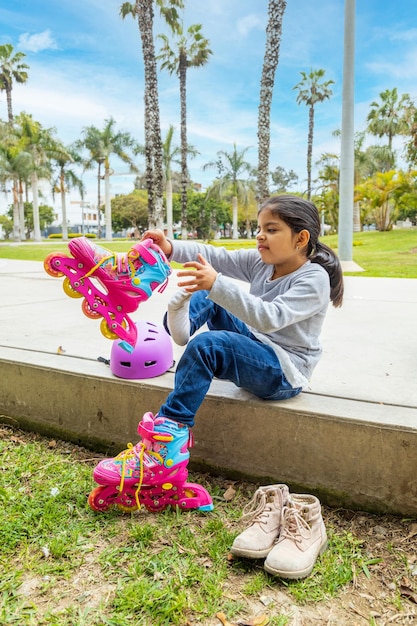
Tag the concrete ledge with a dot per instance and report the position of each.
(350, 453)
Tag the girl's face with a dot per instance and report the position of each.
(278, 245)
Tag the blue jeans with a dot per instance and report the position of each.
(229, 351)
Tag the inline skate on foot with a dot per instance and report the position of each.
(113, 284)
(153, 473)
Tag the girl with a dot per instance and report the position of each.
(266, 341)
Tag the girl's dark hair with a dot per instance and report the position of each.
(300, 214)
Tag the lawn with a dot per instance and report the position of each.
(62, 564)
(380, 254)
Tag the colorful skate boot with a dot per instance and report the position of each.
(113, 284)
(152, 473)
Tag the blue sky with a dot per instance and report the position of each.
(86, 66)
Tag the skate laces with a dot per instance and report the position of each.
(294, 525)
(121, 263)
(132, 452)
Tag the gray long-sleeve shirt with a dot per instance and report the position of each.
(286, 313)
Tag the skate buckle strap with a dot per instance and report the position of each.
(150, 434)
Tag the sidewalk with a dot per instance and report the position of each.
(369, 345)
(350, 438)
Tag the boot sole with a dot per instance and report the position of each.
(251, 554)
(293, 575)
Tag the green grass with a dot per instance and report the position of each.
(391, 254)
(380, 254)
(62, 564)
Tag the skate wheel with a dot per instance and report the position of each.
(69, 289)
(127, 509)
(89, 311)
(156, 507)
(97, 501)
(49, 268)
(108, 332)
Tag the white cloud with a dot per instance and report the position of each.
(403, 36)
(401, 68)
(37, 42)
(248, 23)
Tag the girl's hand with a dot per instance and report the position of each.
(201, 277)
(159, 238)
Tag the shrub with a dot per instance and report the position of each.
(72, 235)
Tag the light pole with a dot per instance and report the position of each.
(347, 155)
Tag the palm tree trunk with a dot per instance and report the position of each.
(17, 228)
(170, 232)
(310, 149)
(9, 104)
(148, 162)
(273, 38)
(35, 202)
(152, 118)
(63, 205)
(235, 232)
(16, 219)
(21, 209)
(64, 216)
(107, 204)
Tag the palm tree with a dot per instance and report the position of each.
(276, 10)
(191, 50)
(386, 118)
(101, 144)
(311, 91)
(143, 11)
(14, 166)
(92, 142)
(379, 194)
(40, 143)
(66, 179)
(12, 69)
(230, 166)
(171, 155)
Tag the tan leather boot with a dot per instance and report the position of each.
(263, 513)
(302, 539)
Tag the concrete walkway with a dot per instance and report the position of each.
(369, 361)
(370, 345)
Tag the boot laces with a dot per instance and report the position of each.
(294, 525)
(259, 508)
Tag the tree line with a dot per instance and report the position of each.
(30, 153)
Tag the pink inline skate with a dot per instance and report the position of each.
(113, 284)
(152, 473)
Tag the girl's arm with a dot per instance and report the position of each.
(200, 274)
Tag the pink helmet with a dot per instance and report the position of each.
(151, 356)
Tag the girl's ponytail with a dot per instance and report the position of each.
(324, 256)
